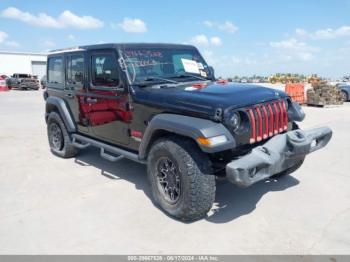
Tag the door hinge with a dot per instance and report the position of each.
(129, 107)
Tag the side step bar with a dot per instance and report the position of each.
(110, 157)
(81, 142)
(79, 145)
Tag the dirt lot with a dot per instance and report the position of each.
(88, 205)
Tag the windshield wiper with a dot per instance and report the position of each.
(189, 75)
(152, 78)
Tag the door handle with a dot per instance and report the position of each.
(91, 100)
(70, 95)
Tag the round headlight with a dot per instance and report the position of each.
(234, 121)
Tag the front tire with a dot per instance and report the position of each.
(59, 139)
(181, 178)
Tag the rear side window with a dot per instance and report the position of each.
(55, 67)
(104, 71)
(75, 69)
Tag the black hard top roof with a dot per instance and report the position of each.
(121, 46)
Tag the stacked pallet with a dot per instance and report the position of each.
(323, 94)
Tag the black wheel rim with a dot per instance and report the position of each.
(56, 136)
(168, 180)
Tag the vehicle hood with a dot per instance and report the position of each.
(207, 99)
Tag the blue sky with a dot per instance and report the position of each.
(236, 37)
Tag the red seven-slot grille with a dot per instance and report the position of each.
(267, 120)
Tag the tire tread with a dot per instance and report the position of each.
(199, 171)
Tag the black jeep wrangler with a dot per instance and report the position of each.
(160, 104)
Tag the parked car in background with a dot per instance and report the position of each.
(346, 79)
(3, 84)
(23, 81)
(345, 91)
(4, 76)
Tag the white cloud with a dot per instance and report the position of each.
(215, 40)
(327, 33)
(64, 20)
(41, 19)
(68, 19)
(3, 40)
(12, 43)
(293, 44)
(293, 48)
(200, 40)
(71, 37)
(130, 25)
(227, 26)
(210, 58)
(203, 40)
(3, 36)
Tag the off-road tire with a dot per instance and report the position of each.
(197, 182)
(67, 149)
(290, 170)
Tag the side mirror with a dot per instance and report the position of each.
(211, 73)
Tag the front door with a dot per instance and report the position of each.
(109, 114)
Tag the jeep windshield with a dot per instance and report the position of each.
(161, 64)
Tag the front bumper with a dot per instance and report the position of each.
(276, 155)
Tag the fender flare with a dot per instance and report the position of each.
(187, 126)
(63, 111)
(295, 112)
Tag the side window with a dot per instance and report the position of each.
(55, 67)
(104, 71)
(75, 69)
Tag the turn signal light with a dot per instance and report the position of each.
(212, 141)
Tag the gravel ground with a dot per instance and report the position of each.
(88, 205)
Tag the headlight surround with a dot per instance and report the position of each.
(233, 121)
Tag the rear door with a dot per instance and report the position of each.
(109, 116)
(75, 89)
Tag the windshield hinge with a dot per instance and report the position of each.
(122, 64)
(218, 114)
